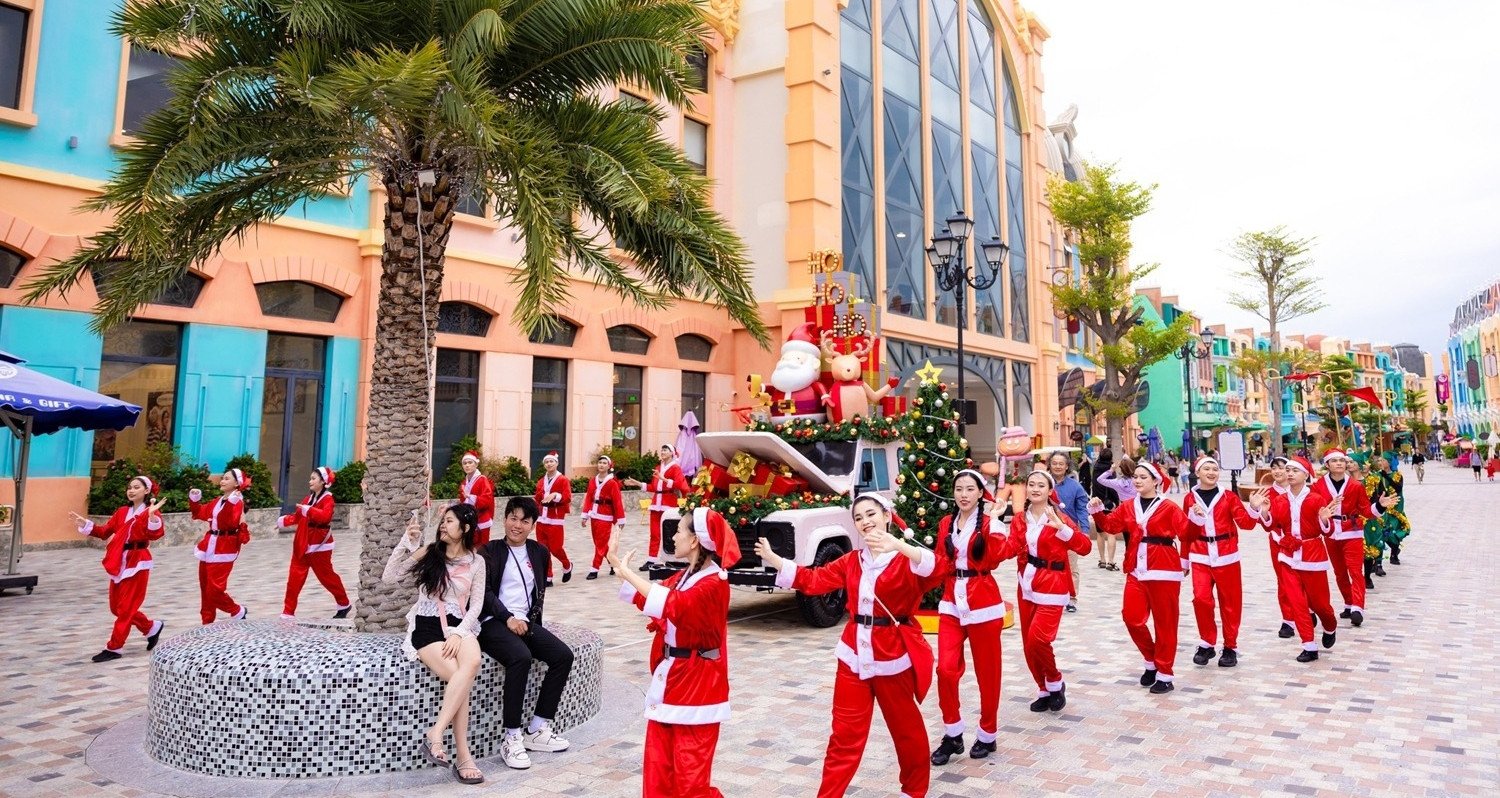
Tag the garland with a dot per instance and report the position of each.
(805, 430)
(746, 511)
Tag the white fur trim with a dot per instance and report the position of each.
(195, 495)
(879, 667)
(985, 737)
(154, 522)
(656, 601)
(627, 593)
(925, 564)
(1065, 534)
(953, 729)
(686, 715)
(1215, 562)
(215, 557)
(1158, 576)
(971, 617)
(127, 572)
(786, 575)
(700, 528)
(320, 547)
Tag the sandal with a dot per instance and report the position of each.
(433, 753)
(459, 770)
(1103, 565)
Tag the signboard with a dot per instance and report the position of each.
(1231, 451)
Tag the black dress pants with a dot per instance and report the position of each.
(515, 653)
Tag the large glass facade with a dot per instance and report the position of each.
(984, 162)
(905, 232)
(139, 365)
(857, 101)
(1015, 204)
(946, 144)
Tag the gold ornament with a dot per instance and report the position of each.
(928, 374)
(921, 475)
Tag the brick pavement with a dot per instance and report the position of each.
(1399, 706)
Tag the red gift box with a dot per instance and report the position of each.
(893, 406)
(763, 474)
(717, 479)
(784, 485)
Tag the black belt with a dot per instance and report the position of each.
(684, 653)
(1158, 541)
(1041, 563)
(319, 526)
(140, 544)
(1217, 538)
(223, 532)
(965, 573)
(879, 620)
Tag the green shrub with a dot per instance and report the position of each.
(509, 476)
(1450, 452)
(170, 469)
(579, 484)
(346, 483)
(262, 492)
(628, 464)
(445, 485)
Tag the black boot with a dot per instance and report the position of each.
(1202, 655)
(1042, 704)
(1369, 584)
(1286, 631)
(1328, 639)
(1148, 678)
(155, 637)
(1357, 618)
(1229, 659)
(1162, 687)
(1307, 656)
(1344, 613)
(947, 749)
(1056, 701)
(1380, 570)
(343, 613)
(980, 750)
(1395, 556)
(105, 656)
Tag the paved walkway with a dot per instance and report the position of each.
(1399, 706)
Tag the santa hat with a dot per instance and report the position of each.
(470, 455)
(989, 495)
(1203, 460)
(1334, 454)
(715, 534)
(241, 479)
(1278, 460)
(1157, 471)
(326, 474)
(1051, 480)
(151, 487)
(890, 507)
(804, 339)
(670, 448)
(549, 457)
(604, 458)
(1301, 464)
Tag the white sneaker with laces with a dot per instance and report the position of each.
(544, 739)
(513, 752)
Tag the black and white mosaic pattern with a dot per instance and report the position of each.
(274, 699)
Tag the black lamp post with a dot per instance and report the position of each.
(946, 256)
(1189, 352)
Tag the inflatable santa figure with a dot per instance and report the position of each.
(796, 391)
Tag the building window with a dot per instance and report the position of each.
(905, 230)
(946, 143)
(857, 120)
(181, 293)
(695, 144)
(628, 340)
(139, 366)
(627, 408)
(633, 100)
(146, 89)
(10, 266)
(695, 397)
(1021, 395)
(455, 403)
(15, 24)
(694, 347)
(1015, 203)
(293, 299)
(697, 60)
(461, 318)
(471, 202)
(549, 410)
(984, 162)
(562, 333)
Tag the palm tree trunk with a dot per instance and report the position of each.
(399, 442)
(1277, 446)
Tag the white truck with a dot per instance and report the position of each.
(806, 536)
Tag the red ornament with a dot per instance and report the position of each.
(947, 424)
(922, 523)
(921, 462)
(933, 487)
(796, 505)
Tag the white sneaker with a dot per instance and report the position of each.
(544, 739)
(513, 751)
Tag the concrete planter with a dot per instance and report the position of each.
(183, 530)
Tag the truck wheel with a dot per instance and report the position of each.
(826, 610)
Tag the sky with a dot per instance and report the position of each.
(1372, 126)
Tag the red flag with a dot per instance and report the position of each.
(1365, 395)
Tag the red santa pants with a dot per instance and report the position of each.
(1310, 593)
(679, 761)
(213, 590)
(1226, 580)
(125, 599)
(1157, 601)
(551, 536)
(601, 531)
(854, 702)
(1286, 583)
(1039, 624)
(321, 564)
(1348, 558)
(653, 544)
(482, 534)
(984, 644)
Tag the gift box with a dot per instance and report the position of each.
(743, 491)
(893, 406)
(712, 479)
(783, 485)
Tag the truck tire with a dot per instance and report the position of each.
(826, 610)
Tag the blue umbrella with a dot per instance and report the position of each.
(1153, 444)
(1187, 445)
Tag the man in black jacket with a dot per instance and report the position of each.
(512, 633)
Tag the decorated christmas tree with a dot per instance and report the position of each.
(935, 452)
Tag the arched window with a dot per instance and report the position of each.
(10, 266)
(181, 293)
(561, 333)
(694, 347)
(461, 318)
(294, 299)
(628, 340)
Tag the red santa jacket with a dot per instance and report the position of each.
(1351, 501)
(127, 534)
(691, 620)
(1151, 537)
(970, 592)
(226, 528)
(1216, 543)
(1041, 550)
(478, 492)
(313, 519)
(554, 513)
(889, 586)
(667, 485)
(1294, 524)
(603, 501)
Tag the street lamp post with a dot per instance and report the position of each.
(1189, 352)
(946, 256)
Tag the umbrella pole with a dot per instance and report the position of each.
(16, 523)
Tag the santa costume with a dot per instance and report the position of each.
(478, 492)
(1211, 544)
(689, 692)
(312, 548)
(220, 547)
(1346, 543)
(1286, 580)
(603, 510)
(554, 495)
(1299, 532)
(127, 559)
(1044, 584)
(883, 658)
(667, 485)
(1152, 528)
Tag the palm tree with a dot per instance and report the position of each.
(274, 101)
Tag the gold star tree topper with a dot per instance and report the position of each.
(929, 373)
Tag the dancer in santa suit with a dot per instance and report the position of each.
(1286, 580)
(689, 693)
(1212, 545)
(312, 548)
(1299, 521)
(883, 657)
(478, 492)
(554, 495)
(603, 511)
(667, 485)
(127, 560)
(220, 545)
(972, 610)
(1041, 539)
(1152, 526)
(1346, 544)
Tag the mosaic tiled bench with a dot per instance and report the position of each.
(272, 699)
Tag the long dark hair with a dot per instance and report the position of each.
(431, 572)
(978, 544)
(704, 555)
